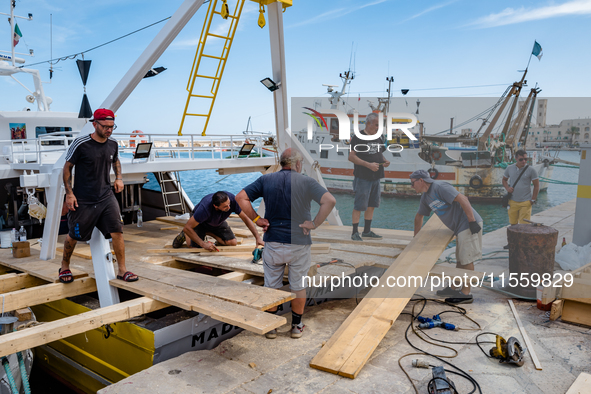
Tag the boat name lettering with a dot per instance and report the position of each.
(212, 334)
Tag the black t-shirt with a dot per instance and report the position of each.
(374, 150)
(92, 164)
(205, 212)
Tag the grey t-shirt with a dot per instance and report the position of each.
(522, 190)
(440, 198)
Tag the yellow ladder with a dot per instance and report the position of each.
(199, 71)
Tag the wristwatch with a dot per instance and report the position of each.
(533, 202)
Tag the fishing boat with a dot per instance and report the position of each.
(474, 163)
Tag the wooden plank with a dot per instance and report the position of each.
(579, 291)
(576, 312)
(82, 250)
(12, 282)
(582, 385)
(406, 235)
(242, 316)
(45, 270)
(170, 228)
(347, 240)
(59, 329)
(46, 293)
(352, 344)
(234, 264)
(257, 297)
(230, 250)
(556, 310)
(530, 347)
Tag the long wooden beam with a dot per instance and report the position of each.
(46, 293)
(353, 343)
(12, 282)
(59, 329)
(238, 315)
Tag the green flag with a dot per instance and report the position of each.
(17, 35)
(537, 51)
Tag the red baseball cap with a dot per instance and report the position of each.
(103, 114)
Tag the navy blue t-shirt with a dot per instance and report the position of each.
(288, 196)
(205, 212)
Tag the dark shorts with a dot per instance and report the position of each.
(103, 215)
(367, 194)
(223, 231)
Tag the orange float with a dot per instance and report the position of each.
(135, 135)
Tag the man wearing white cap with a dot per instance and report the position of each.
(455, 211)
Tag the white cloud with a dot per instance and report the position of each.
(337, 13)
(511, 16)
(433, 8)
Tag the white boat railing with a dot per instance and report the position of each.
(48, 148)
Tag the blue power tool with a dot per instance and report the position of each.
(257, 255)
(435, 322)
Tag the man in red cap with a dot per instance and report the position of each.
(91, 201)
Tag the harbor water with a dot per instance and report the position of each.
(394, 212)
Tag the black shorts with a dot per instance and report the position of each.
(103, 215)
(223, 231)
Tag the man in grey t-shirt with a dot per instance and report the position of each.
(522, 199)
(455, 211)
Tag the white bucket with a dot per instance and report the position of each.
(5, 241)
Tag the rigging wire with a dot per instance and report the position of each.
(453, 87)
(74, 56)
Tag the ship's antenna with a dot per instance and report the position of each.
(50, 45)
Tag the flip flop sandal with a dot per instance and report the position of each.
(65, 274)
(127, 277)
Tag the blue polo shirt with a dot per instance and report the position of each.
(288, 196)
(205, 212)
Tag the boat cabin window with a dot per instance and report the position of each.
(324, 154)
(47, 131)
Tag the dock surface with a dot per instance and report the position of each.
(250, 363)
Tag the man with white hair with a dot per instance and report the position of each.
(287, 195)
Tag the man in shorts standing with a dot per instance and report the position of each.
(522, 199)
(91, 201)
(209, 218)
(368, 170)
(455, 211)
(287, 195)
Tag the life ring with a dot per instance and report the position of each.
(134, 137)
(476, 182)
(433, 173)
(436, 155)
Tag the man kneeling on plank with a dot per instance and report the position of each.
(209, 218)
(287, 195)
(455, 211)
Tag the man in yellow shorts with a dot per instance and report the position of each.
(522, 199)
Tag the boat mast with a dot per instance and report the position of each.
(515, 91)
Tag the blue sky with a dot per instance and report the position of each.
(423, 45)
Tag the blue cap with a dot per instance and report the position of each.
(422, 174)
